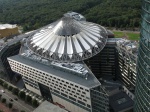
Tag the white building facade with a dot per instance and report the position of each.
(68, 92)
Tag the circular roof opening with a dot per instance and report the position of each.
(66, 27)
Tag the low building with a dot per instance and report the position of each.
(49, 107)
(7, 30)
(120, 98)
(121, 102)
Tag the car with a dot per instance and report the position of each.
(16, 99)
(2, 91)
(10, 99)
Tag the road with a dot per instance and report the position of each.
(128, 31)
(20, 104)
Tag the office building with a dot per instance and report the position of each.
(9, 47)
(75, 64)
(127, 52)
(142, 92)
(104, 63)
(51, 64)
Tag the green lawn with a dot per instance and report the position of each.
(129, 35)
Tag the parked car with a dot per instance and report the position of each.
(2, 91)
(16, 99)
(10, 99)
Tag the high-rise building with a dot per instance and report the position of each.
(142, 92)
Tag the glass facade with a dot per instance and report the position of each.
(142, 93)
(126, 64)
(103, 64)
(5, 70)
(99, 100)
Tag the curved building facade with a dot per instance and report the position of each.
(142, 92)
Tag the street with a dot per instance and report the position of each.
(20, 104)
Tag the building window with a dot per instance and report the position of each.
(63, 94)
(87, 90)
(83, 92)
(78, 90)
(85, 100)
(81, 102)
(76, 86)
(81, 88)
(79, 97)
(72, 98)
(56, 91)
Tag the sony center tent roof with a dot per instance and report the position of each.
(68, 40)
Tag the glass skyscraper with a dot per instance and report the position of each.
(142, 93)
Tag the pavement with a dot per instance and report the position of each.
(20, 104)
(4, 108)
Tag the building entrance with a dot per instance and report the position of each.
(45, 92)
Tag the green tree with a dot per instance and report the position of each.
(22, 111)
(5, 85)
(3, 100)
(28, 98)
(1, 111)
(10, 105)
(15, 91)
(21, 94)
(35, 14)
(35, 103)
(1, 82)
(10, 88)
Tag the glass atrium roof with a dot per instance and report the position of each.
(68, 40)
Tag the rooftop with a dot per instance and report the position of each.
(120, 98)
(10, 41)
(121, 101)
(75, 68)
(48, 107)
(68, 40)
(128, 45)
(7, 26)
(89, 82)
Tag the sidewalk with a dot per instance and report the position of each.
(4, 108)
